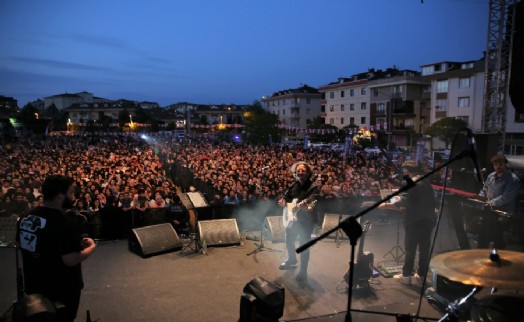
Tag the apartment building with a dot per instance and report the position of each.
(346, 101)
(457, 90)
(294, 107)
(399, 106)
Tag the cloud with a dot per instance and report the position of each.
(42, 62)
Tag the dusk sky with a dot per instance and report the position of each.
(222, 51)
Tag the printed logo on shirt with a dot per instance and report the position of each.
(28, 226)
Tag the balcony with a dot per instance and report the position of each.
(404, 110)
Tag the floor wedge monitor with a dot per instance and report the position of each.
(219, 232)
(274, 229)
(153, 240)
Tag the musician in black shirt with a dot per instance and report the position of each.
(300, 218)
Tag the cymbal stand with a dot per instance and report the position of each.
(454, 309)
(195, 244)
(260, 246)
(396, 252)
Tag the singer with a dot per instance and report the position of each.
(500, 192)
(300, 216)
(419, 221)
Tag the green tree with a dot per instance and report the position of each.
(445, 129)
(29, 113)
(260, 125)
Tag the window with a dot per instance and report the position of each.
(375, 92)
(466, 66)
(283, 112)
(331, 121)
(363, 91)
(442, 86)
(442, 105)
(342, 107)
(381, 108)
(331, 108)
(341, 121)
(363, 105)
(331, 94)
(308, 100)
(463, 102)
(351, 120)
(464, 82)
(351, 92)
(351, 107)
(308, 110)
(363, 120)
(380, 122)
(342, 93)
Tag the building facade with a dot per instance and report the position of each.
(294, 107)
(346, 102)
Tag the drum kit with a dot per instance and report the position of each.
(484, 268)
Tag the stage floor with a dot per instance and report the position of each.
(122, 286)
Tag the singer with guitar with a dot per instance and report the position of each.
(299, 216)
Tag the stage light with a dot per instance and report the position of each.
(262, 301)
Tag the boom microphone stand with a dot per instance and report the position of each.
(353, 229)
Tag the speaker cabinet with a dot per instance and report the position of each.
(274, 229)
(331, 221)
(154, 240)
(219, 232)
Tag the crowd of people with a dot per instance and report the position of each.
(139, 175)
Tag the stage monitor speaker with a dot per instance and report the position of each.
(154, 240)
(331, 221)
(219, 232)
(274, 228)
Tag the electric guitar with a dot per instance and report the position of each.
(290, 211)
(364, 264)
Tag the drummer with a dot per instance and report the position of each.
(500, 192)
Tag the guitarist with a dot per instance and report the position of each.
(302, 191)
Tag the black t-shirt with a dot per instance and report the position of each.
(44, 236)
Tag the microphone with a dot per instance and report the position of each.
(473, 156)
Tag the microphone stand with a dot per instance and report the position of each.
(353, 229)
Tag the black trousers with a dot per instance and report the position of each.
(417, 236)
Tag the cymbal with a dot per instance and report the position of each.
(474, 267)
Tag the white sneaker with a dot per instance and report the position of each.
(403, 279)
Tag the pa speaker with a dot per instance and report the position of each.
(153, 240)
(331, 221)
(219, 232)
(274, 228)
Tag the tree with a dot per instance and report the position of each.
(260, 125)
(445, 129)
